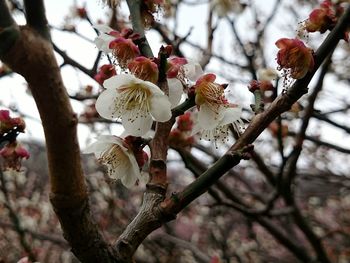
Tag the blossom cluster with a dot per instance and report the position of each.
(294, 57)
(12, 152)
(134, 98)
(324, 18)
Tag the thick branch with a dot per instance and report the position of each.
(32, 57)
(36, 18)
(176, 203)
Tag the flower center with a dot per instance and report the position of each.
(210, 93)
(113, 158)
(133, 98)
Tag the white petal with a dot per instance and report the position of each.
(122, 169)
(155, 90)
(105, 104)
(148, 136)
(103, 28)
(132, 173)
(103, 142)
(231, 115)
(118, 81)
(175, 91)
(97, 148)
(136, 127)
(160, 108)
(192, 70)
(102, 42)
(129, 179)
(144, 177)
(133, 162)
(207, 118)
(208, 135)
(196, 129)
(111, 139)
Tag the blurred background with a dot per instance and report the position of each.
(249, 215)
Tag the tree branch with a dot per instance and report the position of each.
(166, 210)
(137, 24)
(36, 18)
(33, 57)
(8, 29)
(199, 255)
(6, 19)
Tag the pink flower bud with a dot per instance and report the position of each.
(4, 115)
(105, 72)
(7, 123)
(13, 153)
(321, 19)
(81, 12)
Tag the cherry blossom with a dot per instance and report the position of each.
(295, 57)
(180, 70)
(210, 100)
(120, 44)
(144, 68)
(220, 132)
(192, 71)
(13, 153)
(117, 155)
(322, 19)
(7, 123)
(136, 102)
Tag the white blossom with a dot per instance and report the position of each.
(102, 41)
(218, 130)
(136, 102)
(119, 159)
(192, 70)
(175, 91)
